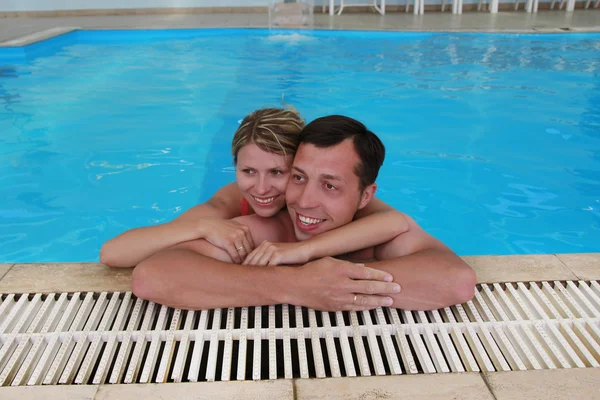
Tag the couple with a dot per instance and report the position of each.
(302, 193)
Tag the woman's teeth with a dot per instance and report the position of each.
(264, 201)
(309, 221)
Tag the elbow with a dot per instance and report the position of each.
(464, 280)
(109, 257)
(145, 282)
(106, 256)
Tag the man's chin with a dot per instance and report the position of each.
(302, 236)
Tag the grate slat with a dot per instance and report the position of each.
(119, 368)
(446, 343)
(437, 356)
(111, 343)
(194, 371)
(243, 346)
(301, 343)
(140, 345)
(345, 345)
(177, 373)
(287, 347)
(100, 338)
(152, 355)
(227, 356)
(68, 344)
(35, 351)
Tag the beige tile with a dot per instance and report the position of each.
(48, 392)
(465, 386)
(65, 277)
(585, 266)
(4, 268)
(577, 383)
(519, 268)
(260, 390)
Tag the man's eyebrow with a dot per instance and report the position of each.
(332, 178)
(298, 169)
(328, 177)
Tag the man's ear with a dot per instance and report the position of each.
(366, 195)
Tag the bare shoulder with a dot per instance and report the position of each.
(413, 240)
(225, 203)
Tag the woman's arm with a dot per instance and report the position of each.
(131, 247)
(375, 224)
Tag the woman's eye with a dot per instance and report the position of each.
(248, 171)
(277, 172)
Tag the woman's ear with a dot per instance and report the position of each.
(366, 195)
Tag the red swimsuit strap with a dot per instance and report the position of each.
(245, 207)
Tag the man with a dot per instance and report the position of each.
(333, 179)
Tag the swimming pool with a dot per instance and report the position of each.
(493, 140)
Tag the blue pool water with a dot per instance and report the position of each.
(493, 141)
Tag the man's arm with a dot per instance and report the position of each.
(135, 245)
(430, 274)
(185, 279)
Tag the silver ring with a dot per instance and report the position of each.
(240, 248)
(354, 301)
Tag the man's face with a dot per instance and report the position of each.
(323, 192)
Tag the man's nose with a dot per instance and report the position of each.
(307, 197)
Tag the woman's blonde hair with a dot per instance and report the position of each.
(275, 130)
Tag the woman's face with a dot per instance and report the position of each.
(262, 178)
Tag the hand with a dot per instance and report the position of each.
(269, 253)
(228, 235)
(328, 284)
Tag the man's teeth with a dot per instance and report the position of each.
(309, 221)
(264, 201)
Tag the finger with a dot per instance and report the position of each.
(250, 258)
(249, 239)
(275, 260)
(365, 273)
(241, 249)
(248, 245)
(255, 256)
(375, 287)
(367, 302)
(264, 260)
(233, 253)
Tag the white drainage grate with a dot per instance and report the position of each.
(95, 338)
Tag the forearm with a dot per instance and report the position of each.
(185, 279)
(430, 279)
(134, 246)
(362, 233)
(131, 247)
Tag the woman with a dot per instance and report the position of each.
(263, 148)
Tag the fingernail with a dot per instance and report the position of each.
(397, 288)
(388, 301)
(388, 278)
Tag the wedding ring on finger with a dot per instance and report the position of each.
(354, 301)
(240, 248)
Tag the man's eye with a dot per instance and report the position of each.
(329, 186)
(298, 178)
